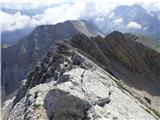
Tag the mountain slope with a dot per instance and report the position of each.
(9, 38)
(149, 42)
(18, 59)
(128, 60)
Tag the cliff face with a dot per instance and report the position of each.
(66, 85)
(20, 58)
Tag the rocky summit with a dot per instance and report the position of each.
(92, 78)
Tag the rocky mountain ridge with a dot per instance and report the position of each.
(128, 69)
(67, 85)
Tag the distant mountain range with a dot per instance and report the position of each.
(134, 19)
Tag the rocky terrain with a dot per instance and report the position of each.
(20, 58)
(66, 85)
(69, 71)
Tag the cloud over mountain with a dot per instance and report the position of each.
(134, 25)
(59, 11)
(11, 22)
(51, 15)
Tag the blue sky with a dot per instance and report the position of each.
(54, 11)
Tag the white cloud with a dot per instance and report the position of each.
(29, 4)
(111, 15)
(134, 25)
(100, 19)
(11, 22)
(58, 14)
(145, 28)
(59, 11)
(117, 21)
(101, 4)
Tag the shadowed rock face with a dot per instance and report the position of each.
(130, 61)
(20, 58)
